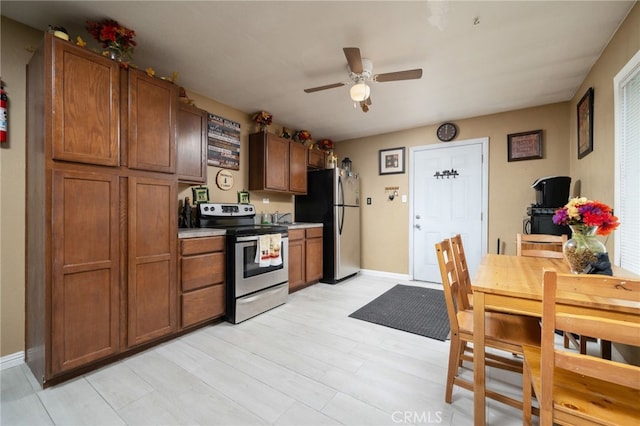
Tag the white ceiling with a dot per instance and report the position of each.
(261, 55)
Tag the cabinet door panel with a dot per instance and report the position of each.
(314, 259)
(152, 275)
(85, 104)
(152, 107)
(298, 168)
(192, 144)
(296, 264)
(85, 291)
(277, 163)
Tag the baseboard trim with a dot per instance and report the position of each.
(383, 274)
(11, 360)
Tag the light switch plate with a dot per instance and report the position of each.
(404, 198)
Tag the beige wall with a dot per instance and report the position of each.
(596, 170)
(385, 229)
(385, 224)
(15, 39)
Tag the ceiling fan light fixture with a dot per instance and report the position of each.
(359, 92)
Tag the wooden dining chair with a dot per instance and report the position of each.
(574, 388)
(540, 245)
(548, 246)
(461, 266)
(505, 332)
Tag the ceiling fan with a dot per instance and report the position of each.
(360, 73)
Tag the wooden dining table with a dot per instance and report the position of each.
(513, 284)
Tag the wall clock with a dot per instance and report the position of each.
(447, 132)
(224, 180)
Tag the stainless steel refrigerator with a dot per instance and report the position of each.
(333, 198)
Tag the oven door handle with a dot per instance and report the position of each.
(252, 238)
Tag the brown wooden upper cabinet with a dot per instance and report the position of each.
(84, 104)
(152, 109)
(192, 144)
(277, 164)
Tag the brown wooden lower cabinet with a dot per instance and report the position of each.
(305, 257)
(202, 274)
(152, 302)
(85, 295)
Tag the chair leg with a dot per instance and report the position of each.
(455, 351)
(605, 349)
(526, 396)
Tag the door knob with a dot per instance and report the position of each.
(417, 226)
(417, 216)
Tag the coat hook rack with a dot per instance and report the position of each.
(446, 173)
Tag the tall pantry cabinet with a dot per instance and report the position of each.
(101, 222)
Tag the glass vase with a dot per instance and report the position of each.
(583, 248)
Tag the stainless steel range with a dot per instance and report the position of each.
(253, 286)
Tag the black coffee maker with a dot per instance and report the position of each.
(551, 193)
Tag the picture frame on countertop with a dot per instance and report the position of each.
(524, 146)
(200, 194)
(391, 161)
(585, 124)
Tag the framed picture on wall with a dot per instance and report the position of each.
(585, 124)
(391, 161)
(524, 145)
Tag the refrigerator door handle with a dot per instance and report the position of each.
(341, 189)
(342, 210)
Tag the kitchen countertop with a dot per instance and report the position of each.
(302, 225)
(200, 232)
(213, 232)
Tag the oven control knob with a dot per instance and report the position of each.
(206, 209)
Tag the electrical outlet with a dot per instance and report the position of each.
(369, 200)
(265, 201)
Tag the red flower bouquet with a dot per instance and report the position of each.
(580, 211)
(113, 36)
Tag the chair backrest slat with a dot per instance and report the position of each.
(450, 282)
(540, 245)
(461, 267)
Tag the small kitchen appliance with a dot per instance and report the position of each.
(251, 289)
(551, 193)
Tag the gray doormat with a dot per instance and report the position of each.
(417, 310)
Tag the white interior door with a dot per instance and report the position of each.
(444, 206)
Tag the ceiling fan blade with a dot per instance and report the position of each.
(328, 86)
(353, 58)
(400, 75)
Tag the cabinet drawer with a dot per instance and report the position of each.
(296, 234)
(202, 270)
(314, 232)
(201, 245)
(201, 305)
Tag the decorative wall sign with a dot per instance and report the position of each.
(585, 124)
(224, 180)
(524, 146)
(223, 145)
(391, 161)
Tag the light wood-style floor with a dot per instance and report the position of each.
(304, 363)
